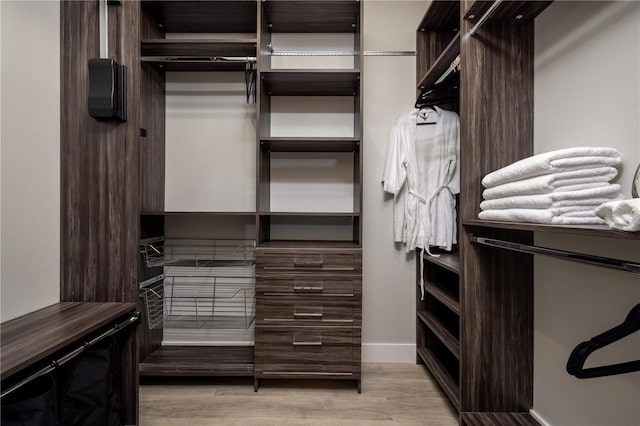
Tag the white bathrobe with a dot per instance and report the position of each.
(422, 172)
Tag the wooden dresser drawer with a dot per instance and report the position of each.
(308, 260)
(310, 284)
(308, 312)
(299, 351)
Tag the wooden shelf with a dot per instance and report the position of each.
(440, 332)
(311, 82)
(442, 63)
(34, 336)
(506, 10)
(199, 361)
(498, 419)
(443, 297)
(589, 230)
(198, 213)
(441, 16)
(199, 47)
(441, 375)
(309, 244)
(275, 144)
(311, 214)
(331, 16)
(238, 16)
(450, 261)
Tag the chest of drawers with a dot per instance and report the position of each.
(308, 313)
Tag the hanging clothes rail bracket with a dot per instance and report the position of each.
(606, 262)
(484, 17)
(67, 357)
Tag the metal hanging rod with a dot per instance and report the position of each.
(199, 59)
(66, 358)
(606, 262)
(484, 17)
(342, 53)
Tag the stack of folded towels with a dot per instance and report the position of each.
(558, 187)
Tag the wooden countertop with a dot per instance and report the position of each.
(36, 335)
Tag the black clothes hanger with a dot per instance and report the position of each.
(579, 355)
(426, 97)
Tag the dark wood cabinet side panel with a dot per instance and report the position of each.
(99, 163)
(496, 104)
(152, 147)
(497, 326)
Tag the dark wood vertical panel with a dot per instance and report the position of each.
(496, 104)
(99, 175)
(152, 119)
(496, 109)
(497, 326)
(99, 164)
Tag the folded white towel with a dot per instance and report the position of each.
(623, 214)
(555, 199)
(554, 161)
(545, 216)
(561, 181)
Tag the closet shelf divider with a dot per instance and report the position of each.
(440, 332)
(590, 230)
(444, 298)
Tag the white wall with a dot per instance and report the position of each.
(388, 305)
(587, 93)
(30, 169)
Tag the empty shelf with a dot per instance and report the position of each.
(204, 16)
(441, 16)
(450, 261)
(442, 63)
(293, 144)
(199, 361)
(443, 297)
(440, 332)
(441, 375)
(311, 82)
(333, 16)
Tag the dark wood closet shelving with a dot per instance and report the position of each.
(590, 230)
(520, 10)
(332, 16)
(199, 361)
(441, 16)
(199, 47)
(443, 297)
(238, 16)
(450, 261)
(193, 54)
(311, 82)
(498, 419)
(310, 244)
(33, 337)
(440, 331)
(441, 375)
(316, 144)
(198, 213)
(442, 63)
(312, 214)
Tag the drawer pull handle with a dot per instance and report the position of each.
(318, 343)
(308, 263)
(307, 288)
(307, 315)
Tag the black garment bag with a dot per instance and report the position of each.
(34, 404)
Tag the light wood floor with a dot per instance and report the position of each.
(392, 394)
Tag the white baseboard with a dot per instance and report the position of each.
(539, 418)
(389, 352)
